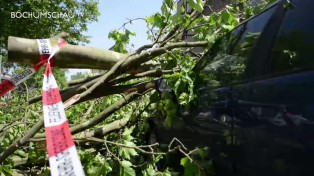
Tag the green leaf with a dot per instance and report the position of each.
(199, 6)
(175, 18)
(105, 169)
(169, 3)
(21, 153)
(165, 10)
(202, 152)
(228, 27)
(93, 170)
(128, 152)
(212, 20)
(225, 16)
(210, 38)
(176, 86)
(150, 170)
(190, 169)
(196, 4)
(165, 173)
(156, 20)
(121, 39)
(249, 12)
(126, 135)
(184, 98)
(150, 20)
(126, 169)
(6, 170)
(159, 157)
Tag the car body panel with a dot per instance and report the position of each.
(255, 109)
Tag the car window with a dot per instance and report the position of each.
(294, 46)
(227, 61)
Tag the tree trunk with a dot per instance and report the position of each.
(26, 51)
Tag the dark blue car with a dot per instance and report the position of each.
(255, 110)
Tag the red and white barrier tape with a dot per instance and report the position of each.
(63, 157)
(8, 85)
(45, 53)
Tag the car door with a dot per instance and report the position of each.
(266, 79)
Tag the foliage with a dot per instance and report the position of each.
(78, 75)
(121, 39)
(129, 148)
(78, 15)
(84, 12)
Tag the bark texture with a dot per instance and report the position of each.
(26, 51)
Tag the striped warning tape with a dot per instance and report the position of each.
(45, 51)
(63, 157)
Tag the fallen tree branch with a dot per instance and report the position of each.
(107, 112)
(135, 59)
(101, 91)
(148, 55)
(21, 141)
(99, 132)
(139, 148)
(82, 81)
(25, 51)
(97, 140)
(107, 128)
(76, 129)
(151, 73)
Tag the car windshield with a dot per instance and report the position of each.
(294, 44)
(227, 61)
